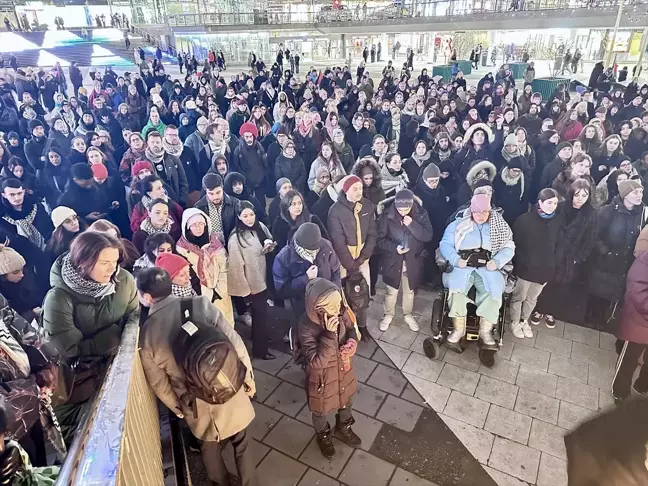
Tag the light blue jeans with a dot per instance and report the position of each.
(487, 306)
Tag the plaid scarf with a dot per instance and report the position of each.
(82, 285)
(308, 255)
(182, 292)
(501, 235)
(25, 227)
(149, 229)
(215, 216)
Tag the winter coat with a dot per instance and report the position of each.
(618, 230)
(465, 192)
(467, 156)
(82, 326)
(535, 246)
(346, 222)
(41, 222)
(289, 272)
(247, 263)
(374, 192)
(140, 213)
(251, 162)
(228, 214)
(319, 162)
(576, 238)
(357, 138)
(347, 159)
(283, 231)
(438, 207)
(478, 236)
(511, 195)
(321, 207)
(171, 171)
(393, 233)
(308, 146)
(210, 422)
(634, 316)
(34, 151)
(292, 169)
(195, 142)
(552, 171)
(606, 162)
(328, 386)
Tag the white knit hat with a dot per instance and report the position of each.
(60, 214)
(10, 260)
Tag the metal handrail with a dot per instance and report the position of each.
(377, 14)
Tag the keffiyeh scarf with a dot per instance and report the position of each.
(183, 292)
(501, 235)
(172, 148)
(308, 255)
(26, 228)
(215, 217)
(82, 285)
(149, 229)
(393, 182)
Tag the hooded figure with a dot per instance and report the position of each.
(365, 168)
(235, 185)
(249, 157)
(208, 259)
(482, 169)
(510, 190)
(476, 147)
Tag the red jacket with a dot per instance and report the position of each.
(634, 317)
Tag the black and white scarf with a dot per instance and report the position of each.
(82, 285)
(25, 227)
(173, 149)
(183, 292)
(308, 255)
(216, 218)
(149, 229)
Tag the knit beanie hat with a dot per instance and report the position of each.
(34, 123)
(562, 145)
(281, 182)
(10, 260)
(140, 166)
(404, 199)
(365, 151)
(171, 262)
(13, 135)
(480, 202)
(431, 171)
(249, 127)
(81, 171)
(510, 139)
(308, 236)
(99, 171)
(349, 181)
(515, 163)
(60, 214)
(481, 183)
(627, 186)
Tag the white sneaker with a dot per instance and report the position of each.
(516, 329)
(385, 322)
(245, 319)
(411, 322)
(528, 332)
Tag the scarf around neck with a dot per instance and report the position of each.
(82, 285)
(25, 227)
(308, 255)
(173, 148)
(156, 159)
(183, 292)
(420, 160)
(149, 229)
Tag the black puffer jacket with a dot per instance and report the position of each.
(535, 246)
(292, 169)
(374, 192)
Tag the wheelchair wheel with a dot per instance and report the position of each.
(487, 357)
(430, 348)
(437, 315)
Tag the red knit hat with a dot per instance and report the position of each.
(171, 262)
(99, 171)
(140, 166)
(250, 128)
(350, 180)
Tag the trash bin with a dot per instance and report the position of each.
(546, 86)
(484, 58)
(444, 71)
(518, 68)
(465, 67)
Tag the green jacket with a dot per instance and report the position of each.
(78, 325)
(160, 127)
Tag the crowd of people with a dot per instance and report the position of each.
(122, 202)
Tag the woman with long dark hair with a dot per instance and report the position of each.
(67, 226)
(150, 188)
(156, 221)
(327, 159)
(293, 213)
(248, 246)
(154, 246)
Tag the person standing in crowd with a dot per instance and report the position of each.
(211, 424)
(293, 213)
(23, 214)
(221, 208)
(168, 167)
(67, 226)
(156, 221)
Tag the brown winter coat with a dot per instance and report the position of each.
(328, 386)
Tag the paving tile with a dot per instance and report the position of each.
(417, 346)
(606, 400)
(396, 354)
(554, 344)
(272, 366)
(595, 356)
(497, 392)
(536, 380)
(607, 341)
(581, 334)
(556, 331)
(367, 399)
(568, 368)
(366, 348)
(537, 358)
(277, 469)
(411, 395)
(467, 409)
(315, 478)
(380, 356)
(287, 398)
(458, 379)
(523, 341)
(264, 419)
(403, 478)
(600, 377)
(314, 458)
(506, 349)
(577, 393)
(399, 336)
(571, 416)
(515, 459)
(363, 367)
(373, 327)
(537, 405)
(305, 415)
(399, 413)
(366, 428)
(503, 479)
(436, 396)
(387, 379)
(257, 451)
(503, 370)
(293, 373)
(289, 436)
(423, 367)
(479, 442)
(548, 438)
(363, 469)
(265, 385)
(552, 471)
(468, 360)
(506, 423)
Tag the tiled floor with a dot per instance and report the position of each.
(512, 417)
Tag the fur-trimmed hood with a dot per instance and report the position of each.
(478, 166)
(477, 126)
(373, 165)
(382, 206)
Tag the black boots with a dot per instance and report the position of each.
(345, 434)
(325, 442)
(364, 334)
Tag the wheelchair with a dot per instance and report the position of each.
(441, 323)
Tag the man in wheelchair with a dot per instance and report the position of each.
(476, 245)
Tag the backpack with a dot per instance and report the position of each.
(213, 371)
(356, 291)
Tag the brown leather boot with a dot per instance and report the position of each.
(344, 432)
(325, 442)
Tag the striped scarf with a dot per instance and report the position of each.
(25, 227)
